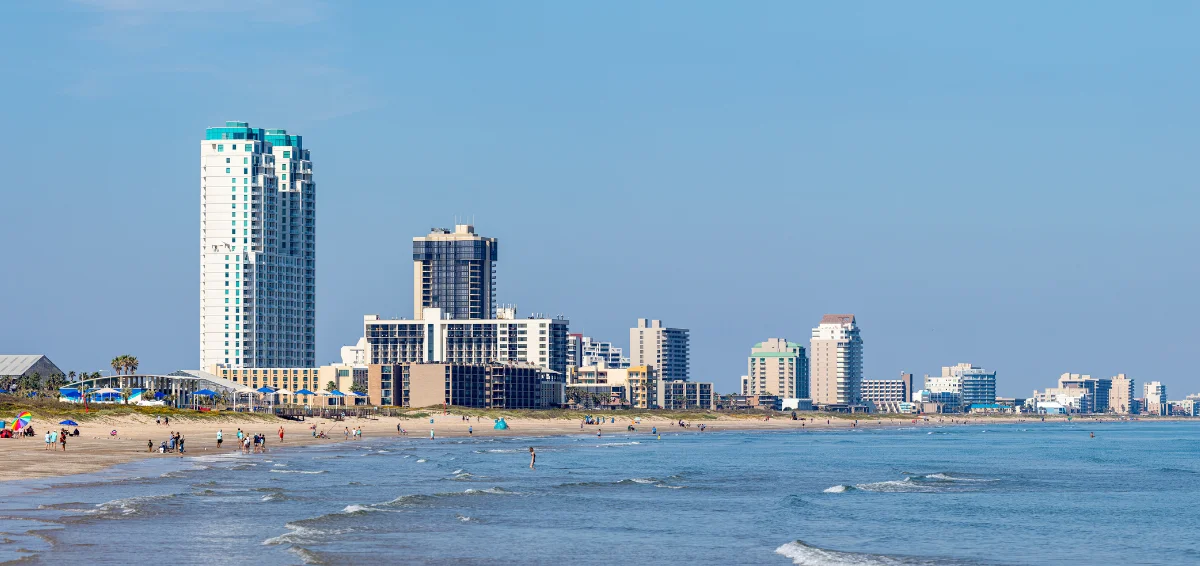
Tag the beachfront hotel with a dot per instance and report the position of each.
(652, 343)
(455, 271)
(257, 273)
(836, 351)
(888, 394)
(777, 367)
(537, 340)
(969, 384)
(1120, 395)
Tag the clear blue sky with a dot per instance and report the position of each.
(1013, 185)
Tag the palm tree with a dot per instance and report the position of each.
(31, 382)
(71, 376)
(331, 386)
(118, 363)
(131, 364)
(54, 383)
(126, 393)
(95, 375)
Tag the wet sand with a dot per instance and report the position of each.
(96, 449)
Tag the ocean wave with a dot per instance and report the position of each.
(421, 461)
(618, 444)
(806, 555)
(125, 507)
(628, 481)
(299, 471)
(940, 482)
(303, 534)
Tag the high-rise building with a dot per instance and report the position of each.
(651, 343)
(836, 351)
(455, 271)
(258, 279)
(1098, 389)
(1121, 395)
(777, 367)
(1156, 398)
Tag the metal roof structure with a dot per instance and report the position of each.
(21, 364)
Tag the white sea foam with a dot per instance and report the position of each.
(805, 555)
(421, 461)
(838, 489)
(300, 471)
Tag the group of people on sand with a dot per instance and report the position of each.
(161, 420)
(55, 438)
(174, 443)
(356, 433)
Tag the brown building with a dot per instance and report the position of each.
(492, 386)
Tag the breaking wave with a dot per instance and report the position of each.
(941, 482)
(806, 555)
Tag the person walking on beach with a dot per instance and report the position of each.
(220, 437)
(346, 433)
(431, 434)
(181, 444)
(598, 433)
(532, 458)
(62, 438)
(281, 434)
(149, 446)
(158, 420)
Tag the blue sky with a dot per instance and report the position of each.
(1012, 185)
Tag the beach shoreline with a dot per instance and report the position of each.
(96, 449)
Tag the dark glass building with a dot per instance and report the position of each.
(455, 271)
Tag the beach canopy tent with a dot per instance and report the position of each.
(266, 390)
(104, 391)
(206, 393)
(69, 422)
(305, 392)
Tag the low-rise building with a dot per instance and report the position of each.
(537, 340)
(678, 394)
(887, 394)
(971, 385)
(490, 386)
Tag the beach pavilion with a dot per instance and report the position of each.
(179, 386)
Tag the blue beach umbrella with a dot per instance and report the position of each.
(69, 422)
(265, 389)
(305, 392)
(205, 393)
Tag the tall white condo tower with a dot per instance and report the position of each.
(257, 249)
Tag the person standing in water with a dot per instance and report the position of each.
(532, 458)
(431, 434)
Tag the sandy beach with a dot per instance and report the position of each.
(95, 448)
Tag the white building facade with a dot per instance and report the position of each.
(836, 351)
(536, 340)
(257, 249)
(651, 343)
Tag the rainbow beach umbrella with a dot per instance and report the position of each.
(23, 420)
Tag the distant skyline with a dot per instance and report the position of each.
(1007, 185)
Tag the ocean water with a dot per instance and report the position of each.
(1028, 493)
